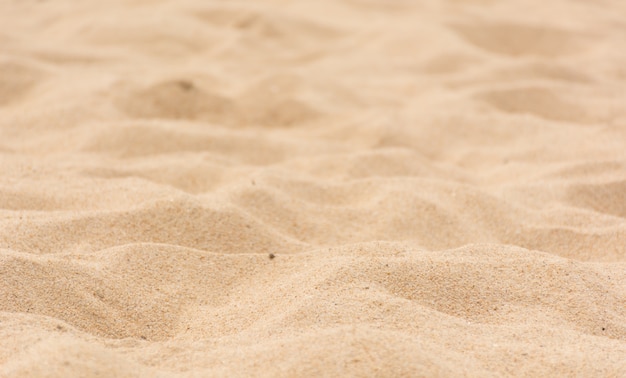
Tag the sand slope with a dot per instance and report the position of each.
(441, 185)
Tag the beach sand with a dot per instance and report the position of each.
(312, 188)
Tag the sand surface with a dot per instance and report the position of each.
(312, 188)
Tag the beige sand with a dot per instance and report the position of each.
(441, 185)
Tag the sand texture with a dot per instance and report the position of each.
(386, 188)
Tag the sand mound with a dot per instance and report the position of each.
(321, 188)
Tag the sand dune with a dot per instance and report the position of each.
(312, 188)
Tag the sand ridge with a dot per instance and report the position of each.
(312, 188)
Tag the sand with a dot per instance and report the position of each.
(312, 188)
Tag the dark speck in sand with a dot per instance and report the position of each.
(185, 85)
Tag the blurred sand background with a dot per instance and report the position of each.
(441, 184)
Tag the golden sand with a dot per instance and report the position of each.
(312, 188)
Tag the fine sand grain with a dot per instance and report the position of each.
(312, 188)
